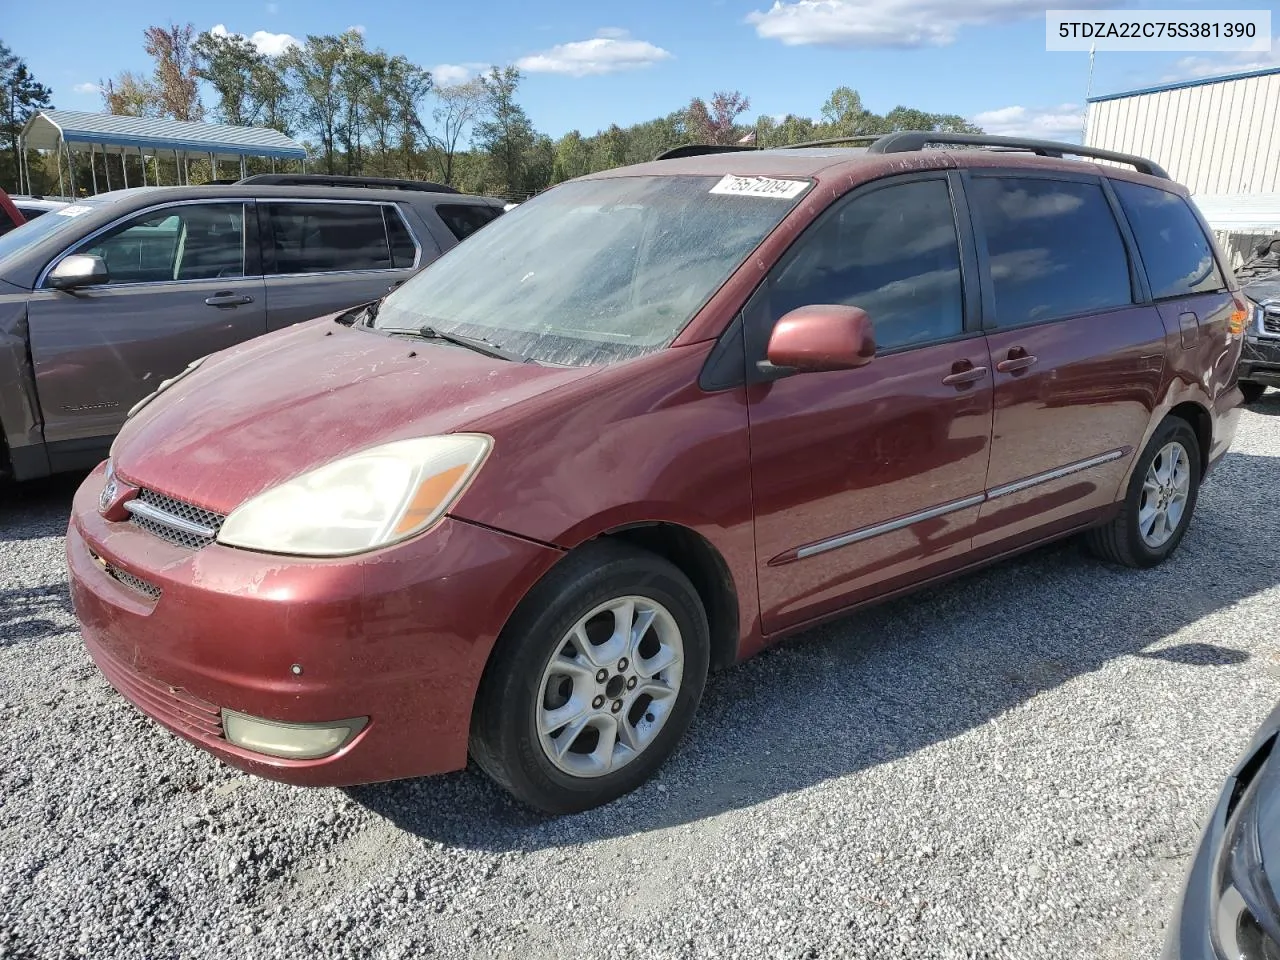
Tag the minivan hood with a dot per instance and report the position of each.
(256, 415)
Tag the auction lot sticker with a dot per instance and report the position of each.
(760, 187)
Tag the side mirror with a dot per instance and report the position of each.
(821, 337)
(78, 270)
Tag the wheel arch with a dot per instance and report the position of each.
(706, 569)
(1201, 423)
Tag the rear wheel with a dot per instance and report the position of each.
(1252, 391)
(594, 681)
(1159, 503)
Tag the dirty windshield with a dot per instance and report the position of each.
(595, 271)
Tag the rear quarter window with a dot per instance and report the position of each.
(464, 219)
(1175, 251)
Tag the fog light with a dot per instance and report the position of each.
(292, 741)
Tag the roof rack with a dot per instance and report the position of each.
(336, 180)
(912, 141)
(866, 138)
(701, 149)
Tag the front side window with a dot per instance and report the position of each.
(893, 252)
(187, 242)
(1175, 251)
(464, 219)
(326, 237)
(593, 271)
(1053, 247)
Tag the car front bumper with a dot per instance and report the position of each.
(400, 636)
(1260, 361)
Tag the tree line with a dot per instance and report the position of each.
(363, 110)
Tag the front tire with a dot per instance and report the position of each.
(1252, 391)
(1159, 503)
(594, 681)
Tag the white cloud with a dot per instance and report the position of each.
(448, 74)
(87, 88)
(1063, 122)
(270, 44)
(613, 50)
(615, 33)
(890, 23)
(1197, 68)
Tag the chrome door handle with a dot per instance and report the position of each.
(1016, 364)
(228, 299)
(962, 377)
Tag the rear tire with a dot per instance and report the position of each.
(1159, 503)
(546, 726)
(1252, 391)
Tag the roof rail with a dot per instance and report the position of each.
(700, 149)
(866, 138)
(337, 180)
(912, 141)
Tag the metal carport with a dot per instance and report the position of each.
(63, 131)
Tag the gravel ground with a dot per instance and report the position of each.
(1013, 765)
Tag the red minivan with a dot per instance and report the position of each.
(641, 427)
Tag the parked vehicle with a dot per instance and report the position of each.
(33, 207)
(645, 425)
(10, 216)
(1260, 361)
(102, 299)
(1228, 908)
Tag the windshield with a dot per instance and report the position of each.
(36, 230)
(594, 271)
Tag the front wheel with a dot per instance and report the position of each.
(594, 681)
(1252, 391)
(1159, 503)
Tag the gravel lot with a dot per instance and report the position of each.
(1014, 765)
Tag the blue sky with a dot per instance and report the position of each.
(588, 64)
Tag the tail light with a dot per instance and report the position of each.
(1239, 316)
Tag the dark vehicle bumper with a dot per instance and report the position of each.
(1260, 361)
(400, 636)
(1188, 935)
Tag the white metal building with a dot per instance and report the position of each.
(1219, 136)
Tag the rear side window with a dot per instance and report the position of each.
(1175, 251)
(403, 252)
(1053, 246)
(6, 221)
(464, 219)
(32, 212)
(326, 237)
(894, 253)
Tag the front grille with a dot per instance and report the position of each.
(137, 584)
(178, 510)
(1271, 320)
(173, 707)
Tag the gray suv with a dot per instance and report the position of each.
(104, 298)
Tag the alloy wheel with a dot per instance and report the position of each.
(1165, 491)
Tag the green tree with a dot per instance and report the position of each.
(716, 123)
(458, 106)
(314, 69)
(573, 158)
(505, 134)
(130, 94)
(23, 97)
(228, 62)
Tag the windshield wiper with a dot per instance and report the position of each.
(478, 344)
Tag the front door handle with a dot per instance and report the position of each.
(228, 299)
(965, 377)
(1016, 364)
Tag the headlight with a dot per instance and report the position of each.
(373, 498)
(164, 385)
(1244, 915)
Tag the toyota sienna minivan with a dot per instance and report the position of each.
(641, 427)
